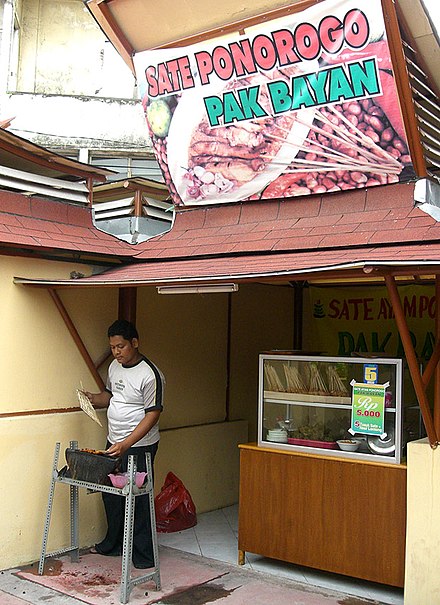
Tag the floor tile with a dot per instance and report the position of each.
(185, 540)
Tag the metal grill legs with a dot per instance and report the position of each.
(129, 492)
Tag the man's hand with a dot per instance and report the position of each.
(99, 400)
(117, 449)
(150, 419)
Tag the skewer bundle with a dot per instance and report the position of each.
(294, 381)
(272, 380)
(336, 385)
(317, 384)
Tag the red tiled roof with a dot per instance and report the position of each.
(380, 215)
(36, 223)
(296, 265)
(336, 224)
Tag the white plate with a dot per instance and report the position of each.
(277, 440)
(189, 113)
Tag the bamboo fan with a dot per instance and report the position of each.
(336, 385)
(295, 383)
(86, 406)
(272, 380)
(317, 385)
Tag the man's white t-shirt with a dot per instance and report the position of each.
(135, 391)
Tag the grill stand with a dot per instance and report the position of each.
(129, 491)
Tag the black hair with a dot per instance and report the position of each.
(124, 328)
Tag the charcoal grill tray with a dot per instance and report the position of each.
(90, 467)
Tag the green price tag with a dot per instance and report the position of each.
(368, 408)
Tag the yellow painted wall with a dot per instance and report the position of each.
(42, 365)
(206, 459)
(41, 368)
(262, 319)
(186, 335)
(422, 580)
(27, 446)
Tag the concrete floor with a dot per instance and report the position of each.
(198, 566)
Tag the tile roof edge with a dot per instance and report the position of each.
(257, 253)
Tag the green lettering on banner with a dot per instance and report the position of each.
(232, 109)
(346, 343)
(351, 322)
(364, 78)
(428, 346)
(214, 109)
(248, 99)
(318, 82)
(339, 86)
(361, 345)
(368, 408)
(400, 350)
(279, 96)
(301, 94)
(379, 347)
(327, 86)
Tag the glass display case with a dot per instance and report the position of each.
(337, 406)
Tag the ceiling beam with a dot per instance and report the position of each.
(111, 29)
(403, 87)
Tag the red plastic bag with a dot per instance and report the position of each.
(175, 509)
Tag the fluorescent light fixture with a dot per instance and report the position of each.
(202, 289)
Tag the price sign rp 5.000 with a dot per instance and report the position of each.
(368, 408)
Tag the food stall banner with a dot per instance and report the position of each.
(360, 320)
(368, 408)
(305, 104)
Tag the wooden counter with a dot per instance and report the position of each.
(339, 515)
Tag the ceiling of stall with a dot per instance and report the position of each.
(136, 25)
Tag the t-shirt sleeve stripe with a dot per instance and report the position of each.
(160, 385)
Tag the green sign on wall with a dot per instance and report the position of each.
(368, 408)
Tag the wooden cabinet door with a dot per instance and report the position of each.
(342, 516)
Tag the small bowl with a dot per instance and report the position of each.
(348, 445)
(120, 480)
(140, 478)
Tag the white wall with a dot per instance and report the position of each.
(63, 121)
(73, 89)
(63, 51)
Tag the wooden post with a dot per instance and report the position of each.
(137, 203)
(76, 337)
(432, 364)
(298, 315)
(127, 304)
(90, 188)
(437, 367)
(412, 360)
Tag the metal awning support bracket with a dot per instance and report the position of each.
(419, 383)
(76, 337)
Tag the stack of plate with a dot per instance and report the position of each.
(277, 435)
